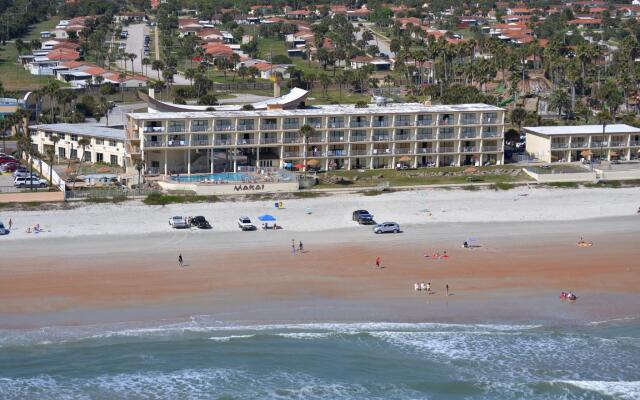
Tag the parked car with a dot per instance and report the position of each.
(200, 222)
(29, 183)
(363, 217)
(9, 167)
(3, 230)
(245, 224)
(387, 227)
(178, 222)
(21, 173)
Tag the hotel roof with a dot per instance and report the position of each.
(582, 130)
(91, 130)
(322, 110)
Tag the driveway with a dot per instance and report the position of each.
(382, 44)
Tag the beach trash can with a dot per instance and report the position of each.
(276, 205)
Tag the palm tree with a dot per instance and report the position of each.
(603, 118)
(145, 63)
(559, 100)
(51, 89)
(518, 116)
(83, 142)
(131, 57)
(341, 79)
(51, 154)
(325, 82)
(140, 166)
(157, 66)
(190, 74)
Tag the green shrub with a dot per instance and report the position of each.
(502, 186)
(159, 199)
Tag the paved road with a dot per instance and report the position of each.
(135, 45)
(383, 45)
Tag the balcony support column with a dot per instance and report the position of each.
(165, 162)
(189, 162)
(211, 160)
(258, 156)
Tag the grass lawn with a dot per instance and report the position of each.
(317, 96)
(425, 176)
(12, 75)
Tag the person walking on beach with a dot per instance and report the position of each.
(429, 287)
(378, 262)
(180, 260)
(293, 247)
(300, 247)
(10, 223)
(447, 289)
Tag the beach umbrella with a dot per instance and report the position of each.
(266, 217)
(586, 153)
(404, 159)
(313, 163)
(298, 166)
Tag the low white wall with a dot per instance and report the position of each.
(619, 175)
(562, 177)
(238, 188)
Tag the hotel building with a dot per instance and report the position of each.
(573, 143)
(343, 137)
(106, 145)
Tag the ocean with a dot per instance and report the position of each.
(204, 359)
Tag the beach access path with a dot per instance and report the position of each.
(515, 274)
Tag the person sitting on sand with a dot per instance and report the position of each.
(423, 286)
(445, 255)
(416, 286)
(465, 244)
(429, 287)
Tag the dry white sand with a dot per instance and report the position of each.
(334, 212)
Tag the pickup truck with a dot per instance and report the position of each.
(245, 224)
(178, 222)
(363, 217)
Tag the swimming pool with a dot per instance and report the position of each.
(220, 176)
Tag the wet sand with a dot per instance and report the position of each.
(515, 275)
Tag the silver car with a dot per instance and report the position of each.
(387, 227)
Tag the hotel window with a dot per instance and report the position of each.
(246, 125)
(176, 126)
(74, 154)
(336, 122)
(424, 133)
(114, 159)
(100, 141)
(446, 133)
(468, 132)
(446, 119)
(425, 120)
(99, 157)
(490, 118)
(290, 123)
(199, 125)
(86, 156)
(61, 152)
(403, 120)
(314, 122)
(74, 138)
(113, 143)
(155, 164)
(468, 118)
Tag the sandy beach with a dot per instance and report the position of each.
(126, 270)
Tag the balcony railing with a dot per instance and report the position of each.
(635, 143)
(222, 142)
(425, 136)
(379, 124)
(490, 148)
(293, 154)
(335, 125)
(618, 144)
(445, 122)
(177, 143)
(292, 140)
(469, 121)
(315, 125)
(358, 138)
(315, 139)
(489, 120)
(470, 149)
(199, 128)
(423, 150)
(199, 142)
(153, 144)
(270, 140)
(290, 126)
(246, 127)
(446, 135)
(242, 141)
(336, 153)
(359, 124)
(359, 152)
(223, 128)
(599, 144)
(490, 134)
(403, 123)
(446, 150)
(176, 129)
(424, 122)
(559, 145)
(148, 129)
(403, 150)
(402, 137)
(580, 145)
(380, 151)
(469, 135)
(336, 138)
(382, 138)
(317, 153)
(269, 127)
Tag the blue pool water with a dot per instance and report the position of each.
(203, 359)
(220, 176)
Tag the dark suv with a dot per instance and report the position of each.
(200, 222)
(362, 217)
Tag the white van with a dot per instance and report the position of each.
(29, 183)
